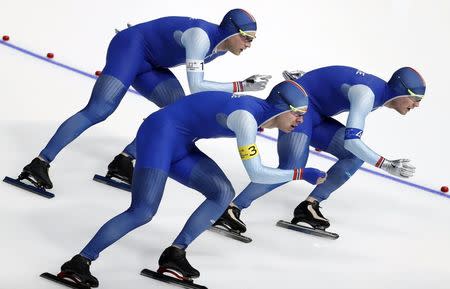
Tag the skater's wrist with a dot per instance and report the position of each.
(313, 176)
(238, 86)
(380, 162)
(297, 175)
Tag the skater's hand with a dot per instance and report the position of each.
(313, 176)
(293, 74)
(255, 82)
(400, 168)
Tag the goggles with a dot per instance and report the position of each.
(299, 111)
(247, 37)
(412, 95)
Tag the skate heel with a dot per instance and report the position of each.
(169, 279)
(117, 176)
(65, 280)
(36, 182)
(71, 277)
(121, 168)
(295, 220)
(111, 175)
(174, 273)
(23, 175)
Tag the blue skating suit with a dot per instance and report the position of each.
(330, 90)
(166, 147)
(155, 44)
(140, 56)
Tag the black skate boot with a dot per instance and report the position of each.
(122, 168)
(230, 220)
(37, 173)
(173, 260)
(77, 270)
(309, 212)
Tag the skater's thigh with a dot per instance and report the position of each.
(160, 86)
(126, 57)
(327, 132)
(147, 189)
(155, 143)
(106, 95)
(199, 172)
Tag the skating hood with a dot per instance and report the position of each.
(235, 20)
(285, 96)
(406, 81)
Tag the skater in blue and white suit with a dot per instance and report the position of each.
(166, 148)
(141, 56)
(333, 90)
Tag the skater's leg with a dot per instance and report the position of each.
(161, 87)
(343, 169)
(130, 149)
(156, 143)
(125, 59)
(327, 136)
(201, 173)
(147, 191)
(107, 93)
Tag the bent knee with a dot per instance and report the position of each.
(354, 163)
(141, 216)
(223, 197)
(95, 113)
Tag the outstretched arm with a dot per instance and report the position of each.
(197, 45)
(245, 127)
(361, 99)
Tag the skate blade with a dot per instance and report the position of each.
(112, 183)
(171, 280)
(230, 234)
(31, 188)
(63, 281)
(307, 230)
(117, 176)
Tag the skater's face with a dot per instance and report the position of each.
(403, 104)
(288, 121)
(239, 42)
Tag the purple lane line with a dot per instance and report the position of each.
(51, 61)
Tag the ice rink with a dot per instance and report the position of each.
(392, 235)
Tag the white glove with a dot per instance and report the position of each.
(292, 75)
(399, 168)
(255, 82)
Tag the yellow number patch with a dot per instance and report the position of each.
(248, 152)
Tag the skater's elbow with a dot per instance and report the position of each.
(351, 144)
(255, 176)
(259, 177)
(197, 86)
(194, 88)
